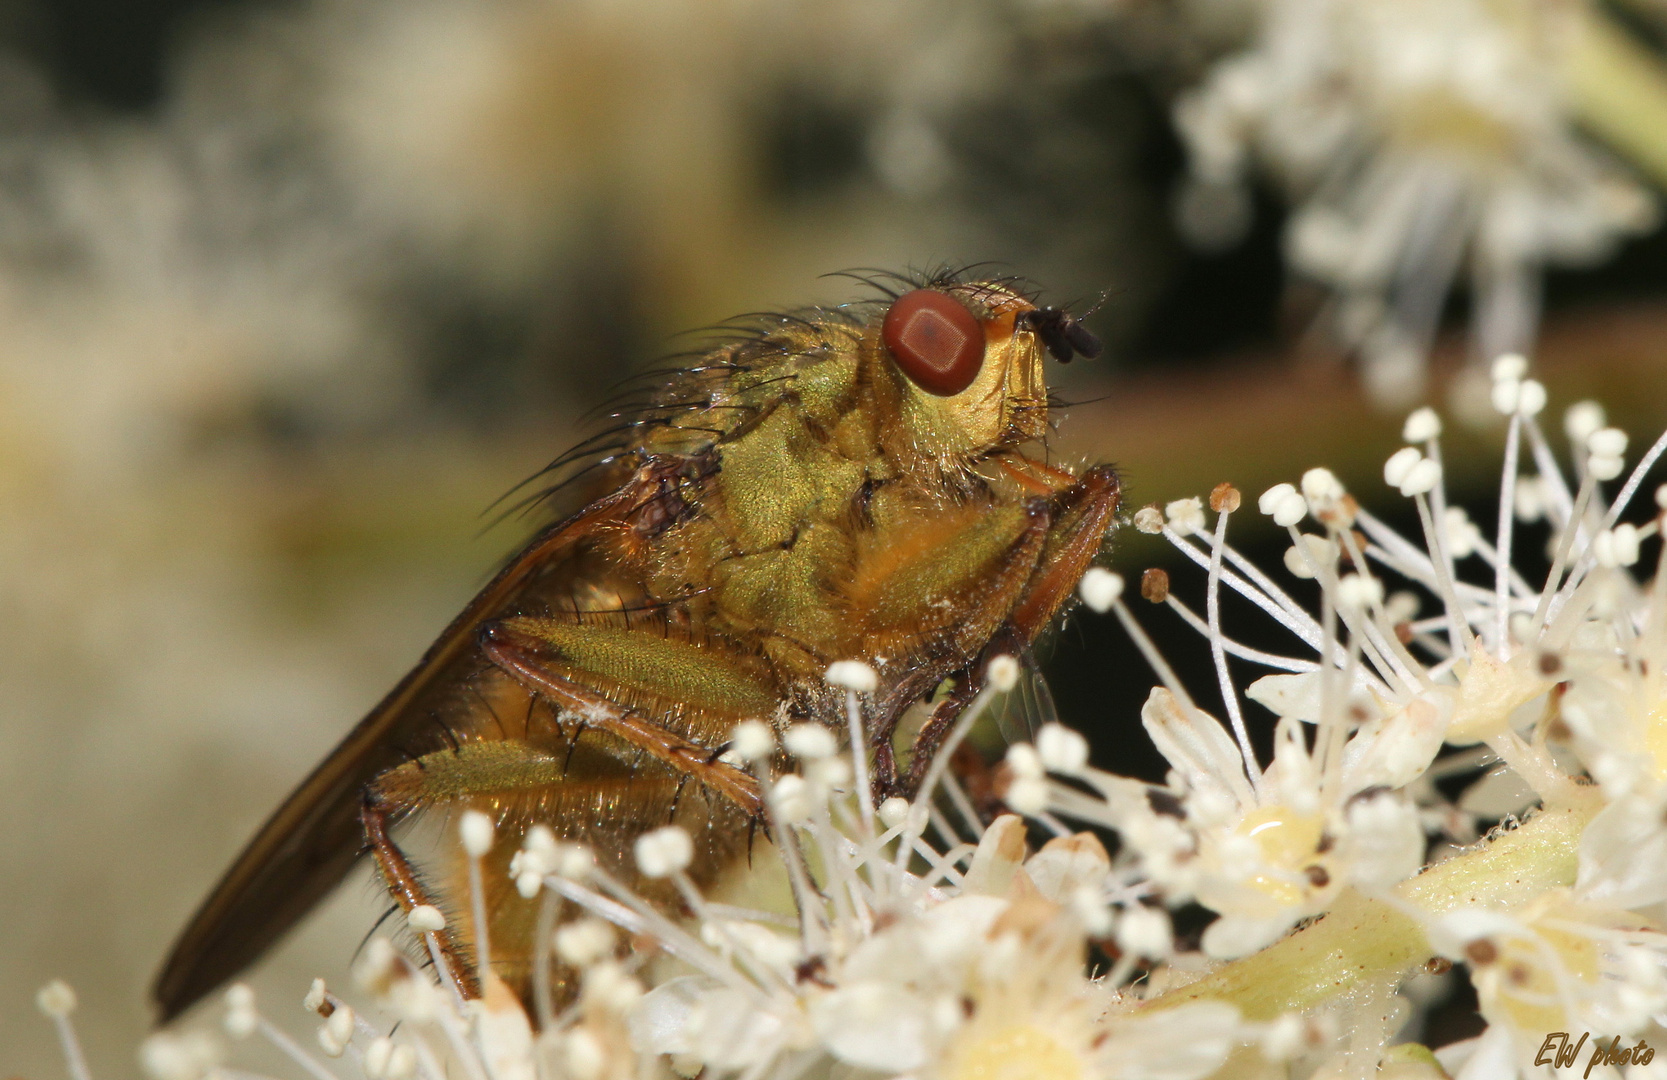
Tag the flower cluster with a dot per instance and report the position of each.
(1413, 136)
(1435, 695)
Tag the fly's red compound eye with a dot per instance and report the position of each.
(937, 342)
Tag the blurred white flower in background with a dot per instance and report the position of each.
(1422, 144)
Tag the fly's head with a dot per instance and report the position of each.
(960, 368)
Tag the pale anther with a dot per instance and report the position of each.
(1509, 367)
(1023, 759)
(1607, 442)
(1027, 795)
(476, 829)
(1400, 463)
(792, 799)
(1320, 485)
(1061, 749)
(1421, 479)
(1186, 516)
(56, 999)
(810, 741)
(1270, 499)
(752, 740)
(1359, 591)
(1422, 425)
(1291, 509)
(1100, 588)
(1505, 395)
(1582, 419)
(425, 919)
(317, 994)
(584, 941)
(1003, 673)
(1605, 466)
(664, 851)
(853, 675)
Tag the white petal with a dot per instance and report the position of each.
(658, 1024)
(1067, 863)
(1493, 1058)
(1000, 853)
(1197, 746)
(1623, 855)
(1395, 751)
(1183, 1043)
(1233, 936)
(876, 1025)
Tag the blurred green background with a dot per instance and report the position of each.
(291, 292)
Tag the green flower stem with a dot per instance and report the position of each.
(1363, 942)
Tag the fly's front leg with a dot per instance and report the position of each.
(1083, 514)
(1077, 519)
(981, 570)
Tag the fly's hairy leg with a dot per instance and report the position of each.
(984, 584)
(403, 884)
(1075, 522)
(531, 651)
(1082, 513)
(596, 793)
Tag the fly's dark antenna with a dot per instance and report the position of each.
(1062, 334)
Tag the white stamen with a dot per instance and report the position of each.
(664, 851)
(1421, 479)
(56, 999)
(1607, 442)
(1400, 464)
(425, 919)
(1186, 516)
(1421, 425)
(1003, 673)
(853, 675)
(584, 942)
(1505, 395)
(810, 742)
(1271, 499)
(1605, 466)
(1100, 588)
(1509, 367)
(752, 741)
(1359, 592)
(476, 830)
(1061, 750)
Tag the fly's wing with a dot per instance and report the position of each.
(1020, 712)
(307, 847)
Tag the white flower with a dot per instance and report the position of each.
(1418, 140)
(1559, 964)
(924, 940)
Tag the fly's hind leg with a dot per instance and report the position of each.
(407, 889)
(531, 661)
